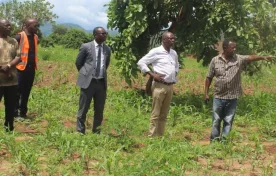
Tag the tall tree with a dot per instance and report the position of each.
(198, 25)
(16, 12)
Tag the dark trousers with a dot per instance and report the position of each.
(97, 92)
(9, 94)
(25, 83)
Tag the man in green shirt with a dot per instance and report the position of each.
(9, 57)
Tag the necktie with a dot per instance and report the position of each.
(98, 68)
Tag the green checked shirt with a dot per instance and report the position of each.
(8, 51)
(228, 76)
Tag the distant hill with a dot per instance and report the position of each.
(46, 29)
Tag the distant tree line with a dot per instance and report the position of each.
(67, 37)
(17, 12)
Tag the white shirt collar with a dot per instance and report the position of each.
(162, 48)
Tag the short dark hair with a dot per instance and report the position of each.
(95, 29)
(226, 42)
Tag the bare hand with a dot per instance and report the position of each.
(206, 98)
(268, 58)
(4, 68)
(158, 77)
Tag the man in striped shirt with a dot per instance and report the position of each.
(227, 68)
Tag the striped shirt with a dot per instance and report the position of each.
(228, 75)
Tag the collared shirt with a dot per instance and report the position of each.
(101, 75)
(228, 75)
(31, 53)
(163, 63)
(8, 51)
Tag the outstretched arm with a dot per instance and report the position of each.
(252, 58)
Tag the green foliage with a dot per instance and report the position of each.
(46, 42)
(198, 25)
(57, 34)
(73, 38)
(17, 12)
(69, 38)
(59, 29)
(58, 53)
(46, 143)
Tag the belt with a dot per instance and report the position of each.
(97, 80)
(166, 83)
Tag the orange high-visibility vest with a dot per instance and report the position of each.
(24, 49)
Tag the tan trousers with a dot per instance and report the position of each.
(161, 99)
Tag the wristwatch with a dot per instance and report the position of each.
(9, 65)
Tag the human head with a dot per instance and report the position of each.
(168, 40)
(229, 47)
(5, 28)
(31, 25)
(99, 34)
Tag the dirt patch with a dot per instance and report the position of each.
(271, 149)
(5, 168)
(75, 155)
(5, 154)
(229, 167)
(69, 124)
(22, 138)
(44, 123)
(24, 129)
(139, 145)
(50, 75)
(92, 168)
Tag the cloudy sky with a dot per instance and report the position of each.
(86, 13)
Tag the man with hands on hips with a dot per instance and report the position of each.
(164, 61)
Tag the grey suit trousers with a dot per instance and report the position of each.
(96, 91)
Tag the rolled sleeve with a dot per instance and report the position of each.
(243, 59)
(211, 71)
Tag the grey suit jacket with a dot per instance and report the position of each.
(85, 58)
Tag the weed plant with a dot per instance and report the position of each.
(47, 144)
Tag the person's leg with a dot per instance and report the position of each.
(158, 96)
(165, 109)
(84, 104)
(2, 88)
(99, 102)
(28, 83)
(229, 114)
(1, 92)
(10, 102)
(218, 107)
(20, 77)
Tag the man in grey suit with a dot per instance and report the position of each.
(92, 62)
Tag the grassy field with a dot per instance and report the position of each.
(47, 144)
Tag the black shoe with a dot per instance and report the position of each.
(8, 129)
(19, 118)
